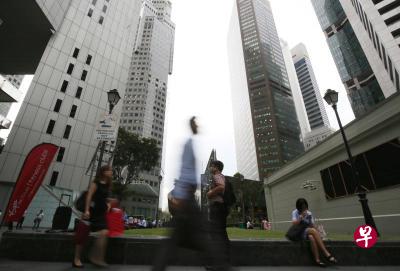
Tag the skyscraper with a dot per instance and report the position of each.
(87, 56)
(266, 99)
(16, 81)
(143, 111)
(296, 91)
(359, 79)
(377, 26)
(316, 113)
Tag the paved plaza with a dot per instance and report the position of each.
(43, 266)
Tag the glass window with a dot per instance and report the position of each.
(70, 68)
(76, 53)
(73, 111)
(50, 127)
(101, 20)
(54, 177)
(64, 86)
(60, 155)
(90, 12)
(78, 92)
(88, 59)
(58, 105)
(67, 131)
(84, 74)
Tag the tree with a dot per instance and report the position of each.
(138, 154)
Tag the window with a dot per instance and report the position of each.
(88, 59)
(64, 86)
(397, 80)
(70, 68)
(94, 2)
(67, 131)
(84, 74)
(384, 57)
(76, 53)
(73, 111)
(54, 177)
(391, 69)
(50, 127)
(101, 20)
(57, 106)
(60, 155)
(104, 8)
(78, 92)
(90, 12)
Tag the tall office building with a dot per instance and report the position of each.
(312, 98)
(144, 104)
(359, 79)
(377, 26)
(296, 91)
(16, 81)
(88, 55)
(262, 93)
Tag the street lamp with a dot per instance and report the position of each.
(113, 98)
(158, 199)
(332, 97)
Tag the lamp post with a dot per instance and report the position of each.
(332, 97)
(113, 99)
(158, 199)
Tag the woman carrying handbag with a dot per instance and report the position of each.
(94, 219)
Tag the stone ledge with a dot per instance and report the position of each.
(141, 251)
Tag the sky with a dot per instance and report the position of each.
(200, 83)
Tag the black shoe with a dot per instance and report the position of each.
(320, 264)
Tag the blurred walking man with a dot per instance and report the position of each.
(188, 231)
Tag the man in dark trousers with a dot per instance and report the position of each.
(188, 229)
(218, 214)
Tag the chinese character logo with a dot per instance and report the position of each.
(365, 236)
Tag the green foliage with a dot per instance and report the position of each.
(138, 153)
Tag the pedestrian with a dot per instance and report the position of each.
(96, 207)
(21, 221)
(188, 230)
(301, 215)
(218, 214)
(38, 219)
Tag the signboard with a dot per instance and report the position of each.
(29, 180)
(107, 128)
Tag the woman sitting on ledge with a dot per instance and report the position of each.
(302, 215)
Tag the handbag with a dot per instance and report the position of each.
(295, 231)
(81, 201)
(174, 204)
(82, 232)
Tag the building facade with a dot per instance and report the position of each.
(144, 104)
(16, 81)
(359, 79)
(323, 177)
(316, 136)
(377, 26)
(311, 94)
(87, 56)
(273, 116)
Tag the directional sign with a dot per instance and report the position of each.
(107, 128)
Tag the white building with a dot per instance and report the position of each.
(316, 136)
(9, 93)
(144, 104)
(297, 95)
(311, 94)
(87, 56)
(377, 27)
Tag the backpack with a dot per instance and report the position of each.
(229, 195)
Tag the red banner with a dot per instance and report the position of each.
(30, 179)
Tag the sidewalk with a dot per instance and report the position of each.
(39, 266)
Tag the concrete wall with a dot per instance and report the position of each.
(283, 188)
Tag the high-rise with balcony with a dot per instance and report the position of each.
(359, 79)
(87, 55)
(267, 132)
(376, 24)
(144, 104)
